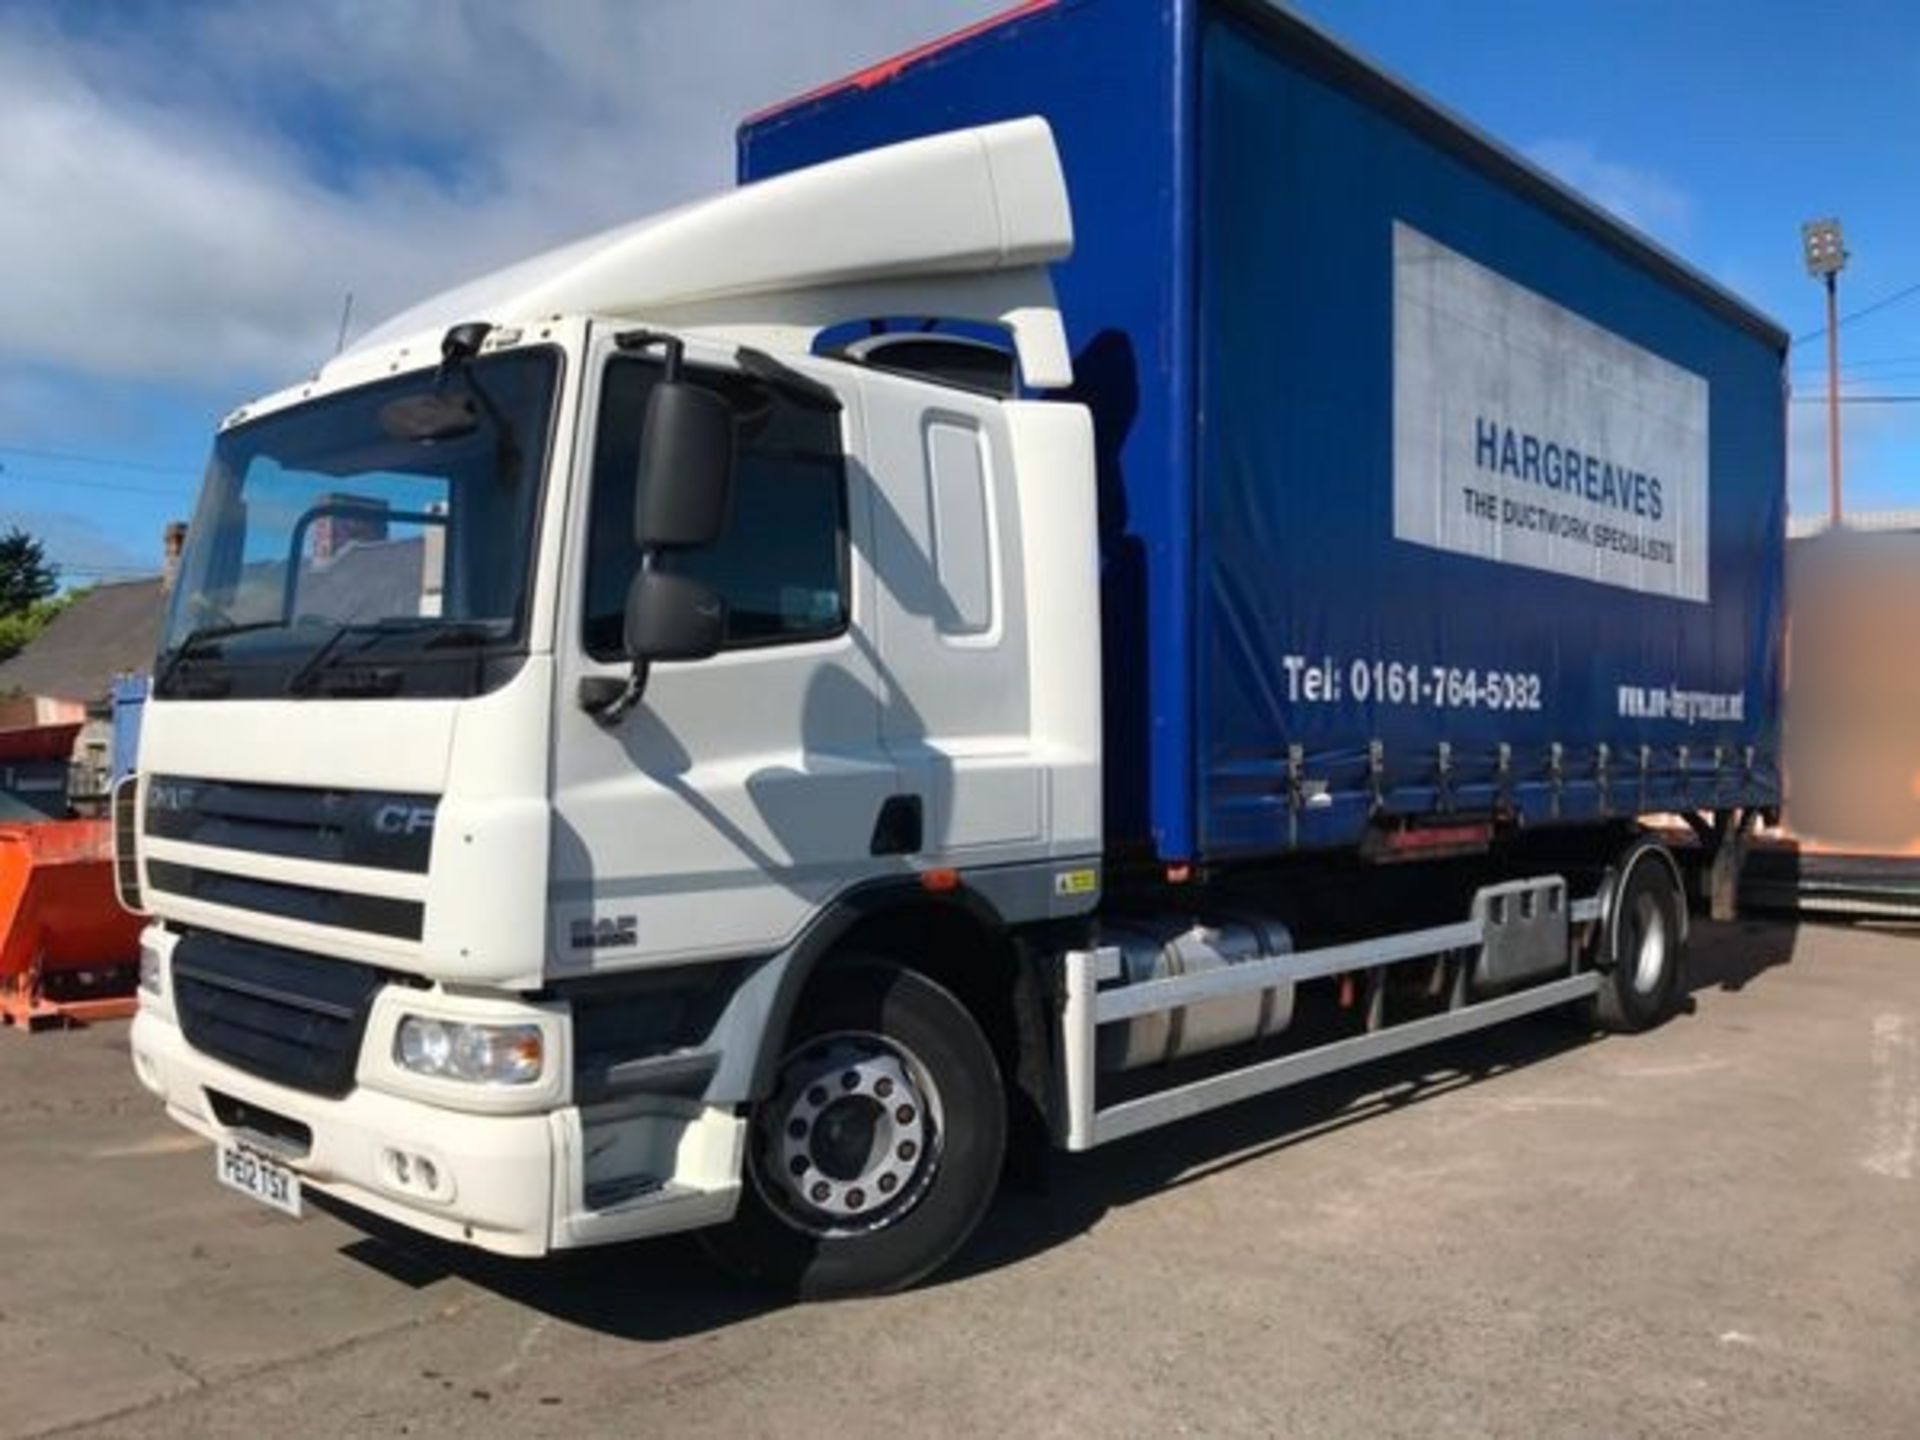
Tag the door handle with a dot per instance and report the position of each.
(898, 829)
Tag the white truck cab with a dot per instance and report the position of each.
(454, 920)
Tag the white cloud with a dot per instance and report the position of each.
(1644, 199)
(189, 201)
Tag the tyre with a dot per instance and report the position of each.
(880, 1147)
(1647, 947)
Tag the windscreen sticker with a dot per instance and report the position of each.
(1527, 435)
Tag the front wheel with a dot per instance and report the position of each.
(881, 1145)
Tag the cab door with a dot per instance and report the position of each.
(746, 789)
(951, 611)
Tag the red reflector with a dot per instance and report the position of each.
(939, 881)
(1179, 874)
(1439, 837)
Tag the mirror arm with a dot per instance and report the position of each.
(675, 348)
(610, 701)
(459, 345)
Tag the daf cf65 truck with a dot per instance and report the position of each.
(1133, 562)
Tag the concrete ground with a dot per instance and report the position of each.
(1713, 1228)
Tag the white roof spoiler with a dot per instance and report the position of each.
(959, 226)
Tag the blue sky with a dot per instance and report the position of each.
(1717, 126)
(189, 189)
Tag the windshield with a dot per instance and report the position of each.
(373, 543)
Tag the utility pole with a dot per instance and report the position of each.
(1826, 258)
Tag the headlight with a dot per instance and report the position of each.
(479, 1054)
(126, 843)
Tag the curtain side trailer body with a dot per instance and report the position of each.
(1425, 486)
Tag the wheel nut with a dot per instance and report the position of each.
(856, 1198)
(798, 1165)
(797, 1129)
(887, 1182)
(907, 1150)
(883, 1087)
(849, 1080)
(820, 1192)
(817, 1095)
(904, 1114)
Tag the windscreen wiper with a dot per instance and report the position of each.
(301, 680)
(193, 645)
(440, 633)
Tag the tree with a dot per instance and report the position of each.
(26, 576)
(22, 627)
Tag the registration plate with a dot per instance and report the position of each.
(242, 1168)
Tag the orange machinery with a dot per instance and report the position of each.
(68, 952)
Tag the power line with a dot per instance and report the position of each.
(66, 481)
(1880, 304)
(1859, 399)
(1876, 361)
(109, 462)
(1855, 367)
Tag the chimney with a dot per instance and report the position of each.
(360, 520)
(172, 541)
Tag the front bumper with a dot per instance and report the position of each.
(511, 1184)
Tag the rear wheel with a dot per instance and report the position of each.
(1647, 942)
(880, 1147)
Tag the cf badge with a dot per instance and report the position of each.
(403, 819)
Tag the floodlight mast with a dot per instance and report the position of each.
(1826, 257)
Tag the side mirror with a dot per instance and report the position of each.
(672, 617)
(684, 486)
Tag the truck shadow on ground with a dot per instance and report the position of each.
(665, 1289)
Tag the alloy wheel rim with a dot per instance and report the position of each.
(852, 1136)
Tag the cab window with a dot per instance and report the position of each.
(782, 564)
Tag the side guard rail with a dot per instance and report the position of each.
(1086, 1008)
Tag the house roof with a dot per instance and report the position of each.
(114, 630)
(110, 630)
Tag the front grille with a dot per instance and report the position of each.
(380, 829)
(284, 1016)
(339, 909)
